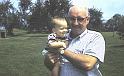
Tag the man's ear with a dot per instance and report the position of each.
(87, 20)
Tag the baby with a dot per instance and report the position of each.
(57, 41)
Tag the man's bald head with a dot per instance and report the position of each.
(77, 9)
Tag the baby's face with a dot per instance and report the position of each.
(60, 27)
(61, 31)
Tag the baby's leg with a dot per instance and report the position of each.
(55, 70)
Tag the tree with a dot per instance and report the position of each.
(57, 7)
(116, 23)
(112, 24)
(109, 25)
(24, 11)
(116, 19)
(6, 10)
(38, 18)
(42, 12)
(121, 27)
(95, 19)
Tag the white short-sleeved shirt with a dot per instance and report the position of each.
(91, 43)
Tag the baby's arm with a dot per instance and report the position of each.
(57, 44)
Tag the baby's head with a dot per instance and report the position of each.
(59, 26)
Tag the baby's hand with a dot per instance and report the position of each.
(62, 44)
(57, 44)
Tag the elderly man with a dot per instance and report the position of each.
(86, 48)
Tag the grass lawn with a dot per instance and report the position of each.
(114, 63)
(21, 55)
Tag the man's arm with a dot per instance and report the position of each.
(92, 54)
(81, 61)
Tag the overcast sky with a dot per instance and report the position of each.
(108, 7)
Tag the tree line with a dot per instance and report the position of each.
(35, 17)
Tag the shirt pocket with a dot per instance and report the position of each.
(79, 49)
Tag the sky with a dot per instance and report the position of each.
(108, 7)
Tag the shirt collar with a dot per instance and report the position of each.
(84, 33)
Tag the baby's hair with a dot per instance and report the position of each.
(58, 22)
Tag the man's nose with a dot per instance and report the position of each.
(75, 22)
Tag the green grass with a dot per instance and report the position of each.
(21, 55)
(114, 63)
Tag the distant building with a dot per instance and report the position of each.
(2, 31)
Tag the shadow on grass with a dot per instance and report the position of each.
(29, 35)
(35, 35)
(25, 33)
(20, 34)
(118, 46)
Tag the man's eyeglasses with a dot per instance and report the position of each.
(79, 19)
